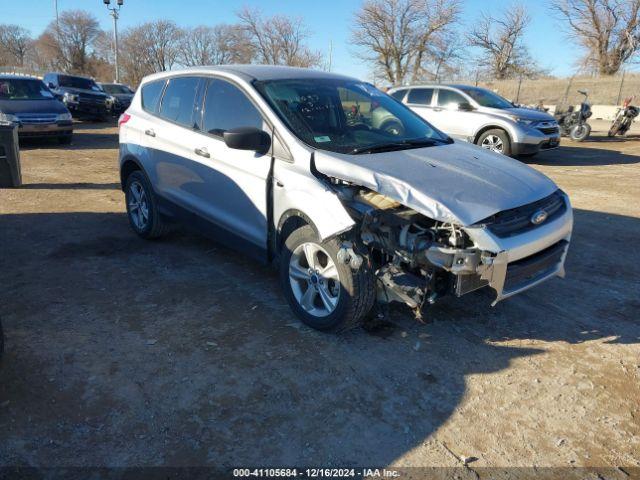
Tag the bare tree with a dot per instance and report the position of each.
(221, 44)
(397, 36)
(15, 44)
(445, 56)
(149, 48)
(609, 30)
(500, 40)
(71, 48)
(279, 40)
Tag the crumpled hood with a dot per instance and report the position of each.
(458, 183)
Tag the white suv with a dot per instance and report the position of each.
(353, 196)
(483, 117)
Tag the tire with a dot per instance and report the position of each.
(65, 139)
(139, 198)
(352, 291)
(580, 133)
(614, 128)
(495, 140)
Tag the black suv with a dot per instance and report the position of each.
(82, 96)
(27, 102)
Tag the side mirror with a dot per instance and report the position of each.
(465, 106)
(51, 85)
(247, 138)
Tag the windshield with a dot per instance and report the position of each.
(487, 98)
(114, 88)
(78, 82)
(347, 116)
(19, 89)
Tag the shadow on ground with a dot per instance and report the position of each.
(181, 352)
(582, 157)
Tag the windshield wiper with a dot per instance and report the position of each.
(401, 145)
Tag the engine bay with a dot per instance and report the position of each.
(416, 260)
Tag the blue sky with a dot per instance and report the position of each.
(329, 20)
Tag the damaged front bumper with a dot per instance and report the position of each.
(508, 265)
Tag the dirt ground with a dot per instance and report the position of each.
(179, 352)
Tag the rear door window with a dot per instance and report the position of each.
(151, 93)
(178, 101)
(227, 107)
(420, 96)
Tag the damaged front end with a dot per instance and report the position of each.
(416, 259)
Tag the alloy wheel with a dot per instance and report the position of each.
(314, 279)
(138, 206)
(493, 143)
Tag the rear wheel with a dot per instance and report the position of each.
(495, 140)
(142, 208)
(323, 292)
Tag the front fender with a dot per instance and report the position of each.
(321, 208)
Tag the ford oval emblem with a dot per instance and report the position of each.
(539, 217)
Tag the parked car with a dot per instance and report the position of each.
(82, 96)
(27, 102)
(483, 117)
(269, 161)
(119, 97)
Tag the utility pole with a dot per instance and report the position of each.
(115, 13)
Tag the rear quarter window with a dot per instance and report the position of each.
(151, 93)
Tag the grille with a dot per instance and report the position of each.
(549, 130)
(518, 220)
(527, 270)
(36, 118)
(91, 99)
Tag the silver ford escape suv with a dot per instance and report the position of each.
(483, 117)
(352, 195)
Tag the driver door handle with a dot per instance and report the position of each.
(150, 132)
(437, 109)
(203, 152)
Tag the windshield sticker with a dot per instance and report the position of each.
(369, 89)
(322, 139)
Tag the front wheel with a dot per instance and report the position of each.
(495, 140)
(324, 292)
(614, 128)
(580, 132)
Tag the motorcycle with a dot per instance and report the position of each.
(573, 123)
(624, 118)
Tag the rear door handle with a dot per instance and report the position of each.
(203, 152)
(150, 132)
